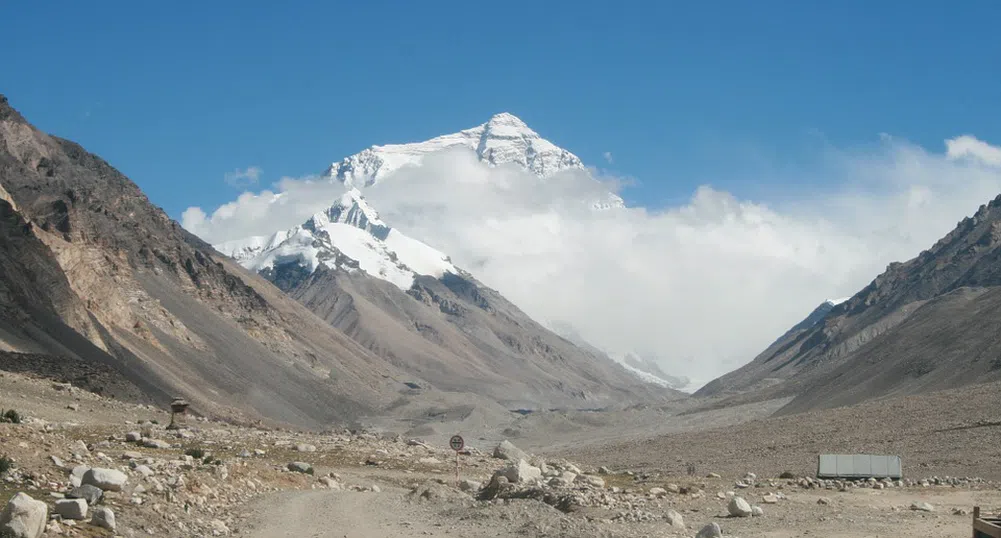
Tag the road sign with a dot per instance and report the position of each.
(457, 443)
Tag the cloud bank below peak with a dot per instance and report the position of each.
(704, 285)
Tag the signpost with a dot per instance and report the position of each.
(457, 443)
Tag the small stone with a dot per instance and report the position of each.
(376, 489)
(771, 498)
(144, 470)
(330, 483)
(103, 517)
(56, 461)
(757, 511)
(469, 485)
(219, 527)
(823, 500)
(78, 447)
(738, 507)
(658, 492)
(245, 453)
(305, 448)
(713, 475)
(133, 437)
(73, 407)
(591, 480)
(711, 530)
(922, 506)
(300, 467)
(72, 508)
(131, 455)
(155, 443)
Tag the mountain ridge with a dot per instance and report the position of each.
(350, 236)
(921, 325)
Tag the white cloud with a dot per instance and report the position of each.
(242, 179)
(969, 147)
(704, 286)
(608, 157)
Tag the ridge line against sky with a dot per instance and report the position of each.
(665, 89)
(751, 135)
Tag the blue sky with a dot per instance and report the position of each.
(177, 94)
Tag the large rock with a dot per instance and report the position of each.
(23, 517)
(87, 492)
(71, 508)
(507, 451)
(521, 473)
(104, 517)
(738, 507)
(674, 519)
(711, 530)
(106, 479)
(76, 475)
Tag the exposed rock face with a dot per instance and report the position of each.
(922, 325)
(460, 335)
(91, 271)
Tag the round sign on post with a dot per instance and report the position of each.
(457, 443)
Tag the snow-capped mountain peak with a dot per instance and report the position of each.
(352, 209)
(349, 235)
(836, 302)
(350, 230)
(503, 139)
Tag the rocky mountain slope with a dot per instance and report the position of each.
(92, 271)
(409, 304)
(926, 324)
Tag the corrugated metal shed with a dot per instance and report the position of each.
(859, 466)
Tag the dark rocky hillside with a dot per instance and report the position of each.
(925, 324)
(92, 271)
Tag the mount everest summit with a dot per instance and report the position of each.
(328, 262)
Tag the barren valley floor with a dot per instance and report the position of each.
(366, 485)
